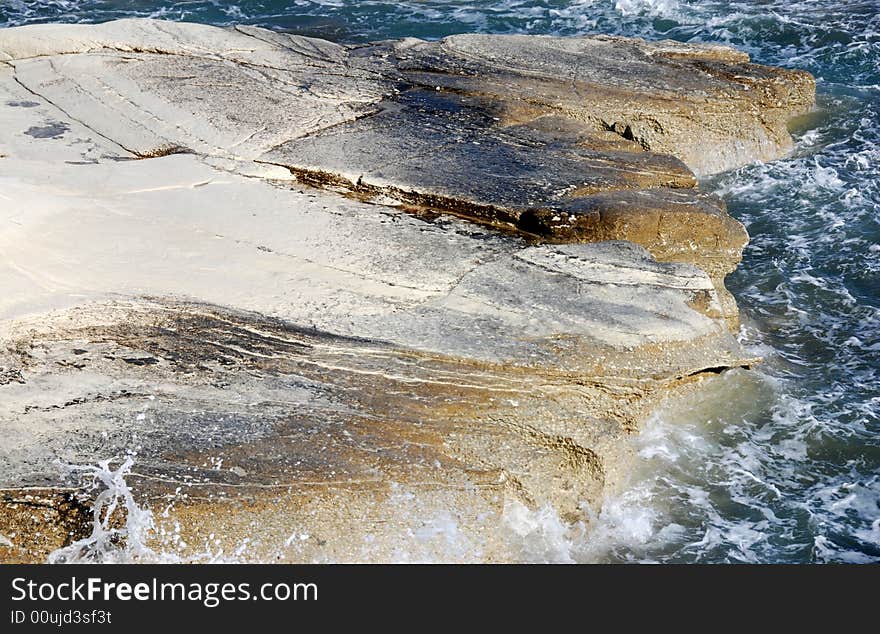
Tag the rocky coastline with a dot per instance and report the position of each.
(348, 302)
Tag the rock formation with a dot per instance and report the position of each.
(356, 302)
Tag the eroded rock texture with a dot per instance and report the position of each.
(356, 303)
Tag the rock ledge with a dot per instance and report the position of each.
(387, 296)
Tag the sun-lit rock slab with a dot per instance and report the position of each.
(318, 294)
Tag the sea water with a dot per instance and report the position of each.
(777, 464)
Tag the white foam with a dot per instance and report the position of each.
(540, 535)
(661, 8)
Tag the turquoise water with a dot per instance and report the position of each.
(781, 464)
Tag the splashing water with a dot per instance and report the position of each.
(108, 543)
(122, 528)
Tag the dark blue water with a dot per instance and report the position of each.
(781, 464)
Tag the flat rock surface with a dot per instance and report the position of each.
(705, 104)
(359, 294)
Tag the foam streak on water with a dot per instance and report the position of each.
(781, 464)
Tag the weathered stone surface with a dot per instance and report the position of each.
(705, 104)
(324, 430)
(487, 127)
(157, 86)
(272, 267)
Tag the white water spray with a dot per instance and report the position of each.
(106, 543)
